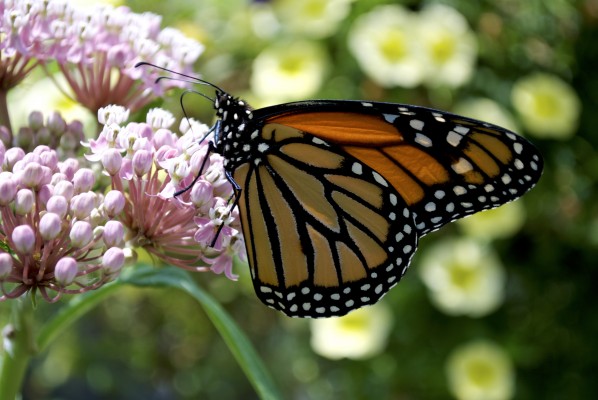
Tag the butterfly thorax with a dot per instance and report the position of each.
(233, 138)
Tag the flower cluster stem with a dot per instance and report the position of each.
(19, 347)
(4, 115)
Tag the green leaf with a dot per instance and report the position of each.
(235, 339)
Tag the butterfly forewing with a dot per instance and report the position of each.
(334, 195)
(325, 234)
(444, 166)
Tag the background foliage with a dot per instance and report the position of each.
(158, 344)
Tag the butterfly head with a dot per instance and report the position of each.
(235, 115)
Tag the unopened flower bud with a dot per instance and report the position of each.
(202, 194)
(142, 162)
(6, 263)
(4, 135)
(69, 167)
(112, 161)
(24, 239)
(82, 204)
(113, 260)
(43, 136)
(24, 202)
(8, 188)
(114, 233)
(64, 189)
(36, 120)
(58, 205)
(83, 180)
(114, 202)
(81, 234)
(50, 226)
(56, 123)
(11, 157)
(25, 138)
(31, 176)
(65, 271)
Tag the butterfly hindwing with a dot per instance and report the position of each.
(325, 234)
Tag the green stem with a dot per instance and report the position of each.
(19, 347)
(4, 115)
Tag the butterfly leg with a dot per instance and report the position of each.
(236, 195)
(211, 148)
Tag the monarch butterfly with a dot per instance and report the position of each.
(334, 195)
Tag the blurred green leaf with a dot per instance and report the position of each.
(235, 339)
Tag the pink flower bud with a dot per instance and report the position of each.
(24, 201)
(68, 167)
(113, 260)
(164, 137)
(142, 162)
(82, 205)
(6, 262)
(31, 175)
(64, 189)
(56, 123)
(112, 161)
(11, 157)
(45, 192)
(8, 188)
(83, 180)
(24, 137)
(50, 226)
(49, 159)
(24, 239)
(65, 271)
(36, 120)
(81, 234)
(58, 205)
(43, 136)
(202, 194)
(114, 233)
(4, 135)
(114, 202)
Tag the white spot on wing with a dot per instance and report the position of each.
(416, 124)
(423, 140)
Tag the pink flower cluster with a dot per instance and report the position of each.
(57, 235)
(148, 163)
(96, 49)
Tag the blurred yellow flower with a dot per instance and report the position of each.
(361, 334)
(547, 105)
(384, 43)
(449, 45)
(314, 18)
(464, 277)
(486, 110)
(480, 370)
(288, 71)
(499, 222)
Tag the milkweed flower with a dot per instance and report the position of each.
(480, 370)
(384, 43)
(463, 277)
(148, 164)
(53, 226)
(449, 45)
(288, 71)
(361, 334)
(96, 49)
(547, 105)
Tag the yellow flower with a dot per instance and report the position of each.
(383, 43)
(463, 277)
(449, 44)
(288, 71)
(314, 18)
(547, 105)
(499, 222)
(486, 110)
(480, 370)
(361, 334)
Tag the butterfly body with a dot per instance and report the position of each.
(334, 195)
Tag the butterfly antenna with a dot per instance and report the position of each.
(193, 78)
